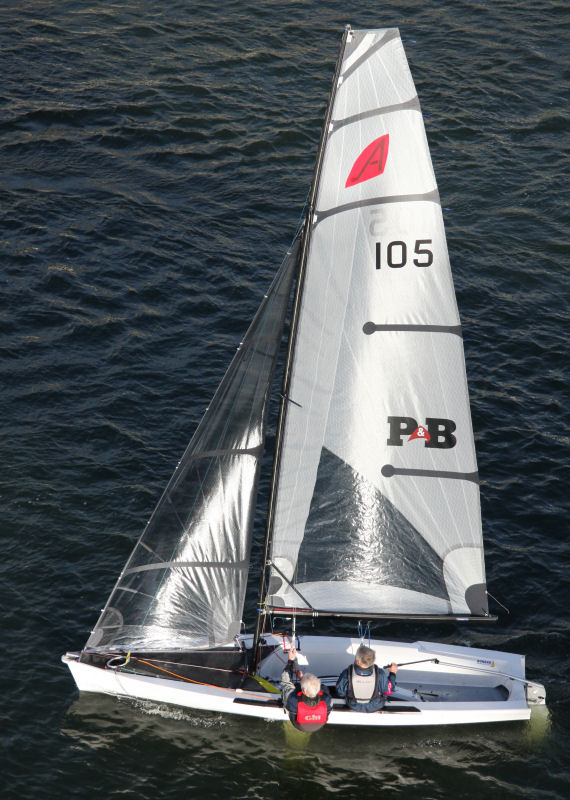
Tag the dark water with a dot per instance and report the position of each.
(154, 161)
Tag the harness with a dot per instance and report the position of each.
(363, 688)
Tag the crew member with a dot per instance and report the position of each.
(365, 685)
(307, 702)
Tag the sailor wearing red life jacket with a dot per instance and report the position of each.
(307, 703)
(364, 685)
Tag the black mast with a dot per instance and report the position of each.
(306, 234)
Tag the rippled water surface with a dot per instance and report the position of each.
(155, 159)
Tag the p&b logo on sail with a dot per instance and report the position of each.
(436, 432)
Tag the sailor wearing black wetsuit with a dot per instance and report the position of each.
(308, 704)
(365, 685)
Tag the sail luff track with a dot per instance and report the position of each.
(306, 234)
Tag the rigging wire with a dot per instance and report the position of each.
(364, 632)
(301, 220)
(497, 601)
(191, 680)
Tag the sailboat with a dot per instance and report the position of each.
(374, 510)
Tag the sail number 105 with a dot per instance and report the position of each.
(395, 254)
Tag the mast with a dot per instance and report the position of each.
(306, 234)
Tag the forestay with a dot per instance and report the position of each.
(377, 497)
(184, 584)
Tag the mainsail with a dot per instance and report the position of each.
(376, 501)
(184, 584)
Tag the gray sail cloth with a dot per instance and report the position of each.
(377, 504)
(184, 584)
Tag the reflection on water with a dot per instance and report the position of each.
(196, 743)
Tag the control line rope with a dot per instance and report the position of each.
(191, 680)
(195, 666)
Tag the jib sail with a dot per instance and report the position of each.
(184, 584)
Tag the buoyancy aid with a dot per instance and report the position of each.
(311, 717)
(363, 688)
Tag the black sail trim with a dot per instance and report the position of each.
(407, 105)
(426, 197)
(389, 37)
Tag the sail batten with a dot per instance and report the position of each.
(372, 327)
(388, 471)
(376, 505)
(162, 565)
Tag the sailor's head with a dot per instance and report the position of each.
(310, 685)
(364, 657)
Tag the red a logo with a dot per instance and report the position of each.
(370, 162)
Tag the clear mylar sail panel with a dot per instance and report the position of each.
(184, 584)
(377, 503)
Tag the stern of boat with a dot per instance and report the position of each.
(535, 694)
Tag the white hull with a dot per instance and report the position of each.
(467, 685)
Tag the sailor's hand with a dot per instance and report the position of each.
(393, 668)
(292, 654)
